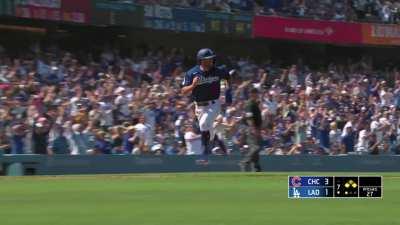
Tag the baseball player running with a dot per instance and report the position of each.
(203, 83)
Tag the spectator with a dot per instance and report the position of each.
(144, 132)
(130, 139)
(40, 136)
(5, 146)
(386, 12)
(117, 139)
(348, 140)
(323, 135)
(193, 142)
(18, 139)
(121, 103)
(59, 145)
(363, 141)
(374, 145)
(335, 138)
(101, 145)
(80, 139)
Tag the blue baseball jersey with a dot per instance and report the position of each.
(209, 87)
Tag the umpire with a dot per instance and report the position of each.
(251, 134)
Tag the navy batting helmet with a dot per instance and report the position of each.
(205, 53)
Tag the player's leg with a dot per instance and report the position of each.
(213, 112)
(206, 117)
(205, 138)
(202, 116)
(256, 154)
(245, 163)
(251, 158)
(256, 160)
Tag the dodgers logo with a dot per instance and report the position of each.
(208, 80)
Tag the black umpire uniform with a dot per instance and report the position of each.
(251, 133)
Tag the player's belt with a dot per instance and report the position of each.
(205, 103)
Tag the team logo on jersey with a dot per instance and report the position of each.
(208, 80)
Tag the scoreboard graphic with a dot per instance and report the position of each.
(335, 187)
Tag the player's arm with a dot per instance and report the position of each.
(242, 139)
(188, 87)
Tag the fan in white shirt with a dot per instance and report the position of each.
(271, 104)
(143, 130)
(363, 142)
(334, 137)
(122, 103)
(193, 142)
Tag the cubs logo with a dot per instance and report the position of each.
(296, 181)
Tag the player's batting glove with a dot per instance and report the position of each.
(228, 96)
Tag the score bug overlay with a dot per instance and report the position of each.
(335, 187)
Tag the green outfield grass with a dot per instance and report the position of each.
(184, 199)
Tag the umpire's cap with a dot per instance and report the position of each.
(205, 53)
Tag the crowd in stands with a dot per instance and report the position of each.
(215, 5)
(342, 10)
(59, 102)
(384, 11)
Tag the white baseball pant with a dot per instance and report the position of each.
(206, 116)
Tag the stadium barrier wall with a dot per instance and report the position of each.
(109, 164)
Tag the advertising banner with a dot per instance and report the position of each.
(381, 34)
(175, 19)
(7, 8)
(39, 9)
(157, 11)
(76, 11)
(192, 20)
(54, 4)
(189, 20)
(228, 23)
(117, 13)
(307, 30)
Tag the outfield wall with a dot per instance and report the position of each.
(106, 164)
